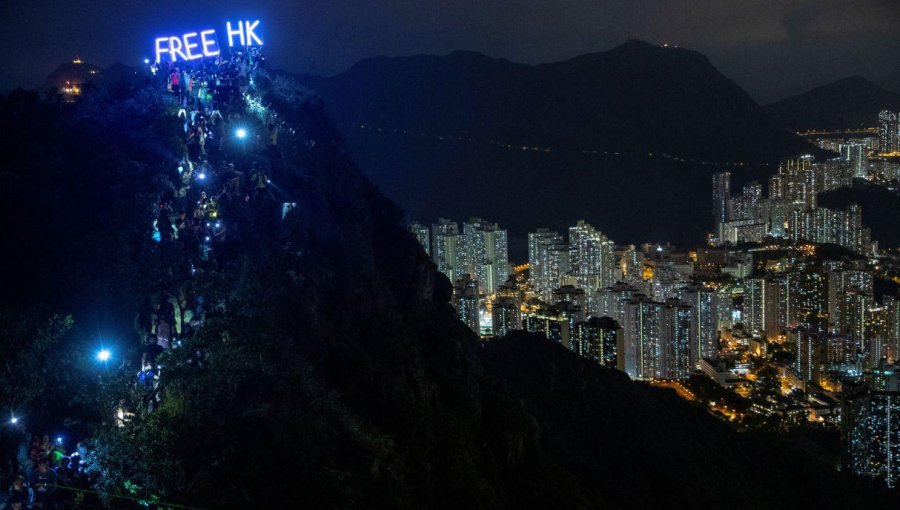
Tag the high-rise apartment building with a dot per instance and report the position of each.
(843, 227)
(487, 254)
(855, 308)
(888, 132)
(839, 282)
(855, 156)
(506, 315)
(753, 192)
(549, 261)
(761, 306)
(721, 192)
(421, 234)
(466, 301)
(676, 361)
(805, 298)
(811, 353)
(556, 326)
(892, 314)
(656, 339)
(870, 427)
(592, 260)
(598, 340)
(704, 341)
(544, 254)
(448, 249)
(797, 185)
(642, 348)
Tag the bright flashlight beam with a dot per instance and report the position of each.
(104, 355)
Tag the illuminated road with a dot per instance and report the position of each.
(848, 133)
(675, 385)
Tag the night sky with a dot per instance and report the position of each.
(771, 48)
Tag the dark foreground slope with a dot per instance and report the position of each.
(627, 445)
(335, 373)
(850, 103)
(466, 134)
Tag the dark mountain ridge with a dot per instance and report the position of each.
(849, 103)
(636, 96)
(465, 135)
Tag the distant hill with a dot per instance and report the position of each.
(70, 73)
(849, 103)
(82, 73)
(465, 134)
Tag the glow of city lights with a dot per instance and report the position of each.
(104, 355)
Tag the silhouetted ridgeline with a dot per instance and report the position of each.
(465, 135)
(850, 103)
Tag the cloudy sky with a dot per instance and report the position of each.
(771, 48)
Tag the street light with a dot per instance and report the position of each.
(104, 355)
(241, 133)
(13, 420)
(146, 60)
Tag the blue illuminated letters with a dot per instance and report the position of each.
(244, 30)
(194, 45)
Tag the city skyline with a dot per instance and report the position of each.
(766, 293)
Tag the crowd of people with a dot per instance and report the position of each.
(223, 186)
(51, 478)
(205, 208)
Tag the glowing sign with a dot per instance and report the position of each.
(194, 45)
(245, 30)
